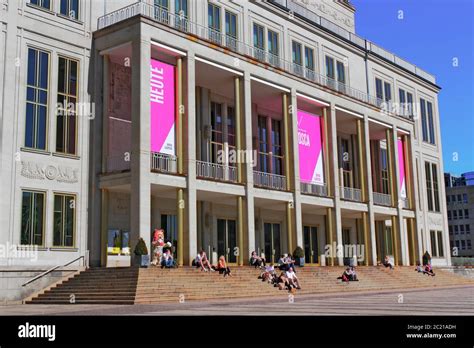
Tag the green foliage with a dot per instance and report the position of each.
(298, 252)
(140, 248)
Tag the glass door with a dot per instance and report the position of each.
(227, 239)
(310, 235)
(272, 241)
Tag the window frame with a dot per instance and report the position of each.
(67, 15)
(64, 202)
(43, 220)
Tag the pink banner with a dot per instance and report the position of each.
(310, 148)
(162, 104)
(401, 168)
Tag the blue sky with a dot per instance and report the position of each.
(430, 35)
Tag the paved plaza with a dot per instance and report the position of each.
(453, 301)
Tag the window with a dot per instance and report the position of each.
(459, 198)
(456, 229)
(70, 8)
(461, 229)
(450, 229)
(468, 229)
(406, 102)
(258, 42)
(432, 190)
(231, 29)
(384, 170)
(296, 57)
(330, 67)
(214, 22)
(42, 3)
(378, 88)
(427, 121)
(455, 215)
(464, 198)
(457, 244)
(460, 214)
(64, 217)
(309, 58)
(436, 238)
(161, 10)
(447, 199)
(341, 74)
(383, 91)
(32, 218)
(217, 134)
(453, 198)
(449, 215)
(263, 150)
(336, 72)
(37, 99)
(181, 10)
(463, 244)
(468, 244)
(67, 99)
(273, 47)
(277, 151)
(466, 213)
(388, 91)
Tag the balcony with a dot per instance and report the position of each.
(382, 199)
(268, 180)
(351, 194)
(164, 163)
(183, 24)
(214, 171)
(314, 189)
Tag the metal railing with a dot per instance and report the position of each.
(314, 189)
(216, 171)
(300, 10)
(268, 180)
(382, 199)
(351, 194)
(163, 163)
(52, 269)
(183, 24)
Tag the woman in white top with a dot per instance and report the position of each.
(292, 278)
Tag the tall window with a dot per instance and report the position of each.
(427, 121)
(230, 123)
(387, 91)
(217, 134)
(37, 99)
(379, 88)
(181, 9)
(309, 58)
(383, 91)
(384, 171)
(341, 75)
(277, 152)
(296, 57)
(66, 112)
(70, 8)
(335, 70)
(263, 147)
(406, 102)
(330, 67)
(161, 10)
(64, 217)
(231, 29)
(273, 48)
(432, 188)
(214, 22)
(32, 218)
(42, 3)
(258, 41)
(436, 238)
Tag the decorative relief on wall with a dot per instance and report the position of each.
(327, 11)
(435, 220)
(39, 171)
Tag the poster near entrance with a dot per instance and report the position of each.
(310, 149)
(401, 168)
(162, 107)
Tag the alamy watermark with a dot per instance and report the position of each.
(13, 251)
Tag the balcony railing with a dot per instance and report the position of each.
(163, 16)
(161, 162)
(351, 194)
(216, 171)
(268, 180)
(382, 199)
(314, 189)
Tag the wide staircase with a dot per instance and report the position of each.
(155, 285)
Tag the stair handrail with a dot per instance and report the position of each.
(41, 275)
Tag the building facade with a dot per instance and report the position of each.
(460, 203)
(234, 125)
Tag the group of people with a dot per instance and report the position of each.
(425, 269)
(202, 261)
(349, 275)
(287, 279)
(162, 254)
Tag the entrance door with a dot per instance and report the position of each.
(384, 240)
(272, 241)
(226, 240)
(170, 224)
(310, 235)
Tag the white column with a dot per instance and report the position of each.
(140, 210)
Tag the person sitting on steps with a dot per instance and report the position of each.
(256, 260)
(386, 262)
(282, 281)
(223, 268)
(167, 259)
(268, 275)
(429, 270)
(292, 279)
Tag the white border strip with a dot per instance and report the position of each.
(168, 48)
(349, 112)
(199, 59)
(111, 49)
(403, 131)
(380, 123)
(270, 84)
(311, 99)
